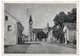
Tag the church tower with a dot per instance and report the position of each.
(30, 28)
(46, 29)
(47, 26)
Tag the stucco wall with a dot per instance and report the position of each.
(70, 35)
(10, 37)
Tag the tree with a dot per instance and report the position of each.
(60, 19)
(72, 15)
(41, 35)
(58, 34)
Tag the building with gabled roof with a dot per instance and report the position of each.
(33, 31)
(12, 29)
(70, 32)
(71, 26)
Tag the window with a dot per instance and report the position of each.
(9, 27)
(6, 18)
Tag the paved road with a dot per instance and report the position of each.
(49, 48)
(16, 49)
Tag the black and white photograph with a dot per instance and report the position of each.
(40, 28)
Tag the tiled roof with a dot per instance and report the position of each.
(36, 30)
(71, 26)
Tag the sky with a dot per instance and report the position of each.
(41, 13)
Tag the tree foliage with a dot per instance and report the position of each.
(58, 34)
(60, 19)
(41, 35)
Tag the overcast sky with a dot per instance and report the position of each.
(41, 13)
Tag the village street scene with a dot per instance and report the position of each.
(40, 28)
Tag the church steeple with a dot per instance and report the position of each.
(48, 27)
(30, 20)
(30, 28)
(47, 24)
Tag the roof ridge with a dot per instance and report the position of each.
(11, 15)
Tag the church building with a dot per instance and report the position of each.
(33, 31)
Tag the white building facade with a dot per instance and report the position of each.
(70, 32)
(50, 37)
(10, 30)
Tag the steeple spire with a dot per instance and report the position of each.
(30, 20)
(47, 24)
